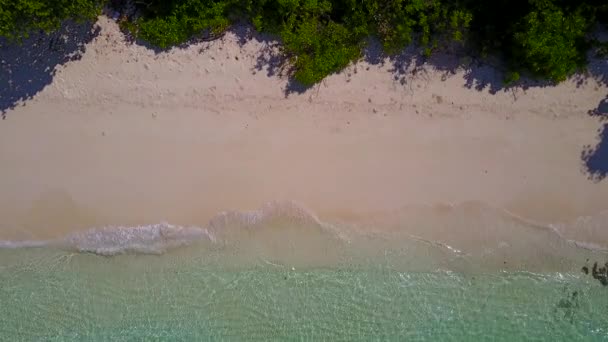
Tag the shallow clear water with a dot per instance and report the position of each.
(454, 274)
(53, 295)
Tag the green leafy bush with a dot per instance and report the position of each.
(397, 22)
(545, 38)
(313, 42)
(549, 42)
(169, 23)
(511, 77)
(318, 49)
(319, 36)
(20, 17)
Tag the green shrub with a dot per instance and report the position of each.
(174, 22)
(20, 17)
(313, 42)
(318, 49)
(511, 78)
(319, 36)
(548, 38)
(549, 42)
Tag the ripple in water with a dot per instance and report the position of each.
(280, 273)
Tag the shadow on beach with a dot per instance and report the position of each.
(481, 74)
(488, 75)
(27, 67)
(595, 158)
(270, 58)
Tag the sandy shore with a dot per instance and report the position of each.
(127, 136)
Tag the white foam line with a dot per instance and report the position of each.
(272, 264)
(8, 244)
(439, 244)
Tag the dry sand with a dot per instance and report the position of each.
(127, 136)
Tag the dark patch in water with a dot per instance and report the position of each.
(569, 305)
(598, 273)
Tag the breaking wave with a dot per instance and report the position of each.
(150, 239)
(461, 234)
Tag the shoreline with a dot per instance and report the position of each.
(125, 136)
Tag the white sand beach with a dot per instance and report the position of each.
(129, 136)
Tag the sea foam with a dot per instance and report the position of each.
(464, 230)
(145, 239)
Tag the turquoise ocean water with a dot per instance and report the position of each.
(294, 279)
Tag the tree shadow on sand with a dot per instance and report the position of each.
(405, 66)
(481, 74)
(488, 75)
(595, 158)
(27, 67)
(270, 58)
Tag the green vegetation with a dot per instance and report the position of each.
(549, 42)
(172, 22)
(319, 36)
(548, 39)
(20, 17)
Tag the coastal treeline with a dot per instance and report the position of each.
(19, 18)
(547, 39)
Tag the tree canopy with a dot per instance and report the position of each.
(548, 39)
(20, 17)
